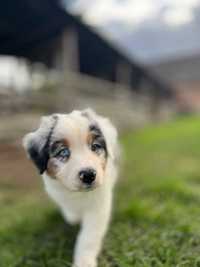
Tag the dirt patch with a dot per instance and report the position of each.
(16, 169)
(13, 127)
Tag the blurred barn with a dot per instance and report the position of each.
(43, 31)
(184, 74)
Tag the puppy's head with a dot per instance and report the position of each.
(75, 149)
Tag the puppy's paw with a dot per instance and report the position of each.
(86, 262)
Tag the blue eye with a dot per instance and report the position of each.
(63, 153)
(60, 151)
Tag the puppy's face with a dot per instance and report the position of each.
(78, 153)
(72, 148)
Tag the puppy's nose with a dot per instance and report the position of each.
(87, 176)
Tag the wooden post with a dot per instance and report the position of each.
(69, 48)
(123, 73)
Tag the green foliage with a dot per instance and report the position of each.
(156, 219)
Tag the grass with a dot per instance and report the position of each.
(156, 219)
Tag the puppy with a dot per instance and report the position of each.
(76, 154)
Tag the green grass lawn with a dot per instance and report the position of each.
(156, 218)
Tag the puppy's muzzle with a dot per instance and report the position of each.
(87, 176)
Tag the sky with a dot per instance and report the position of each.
(148, 30)
(132, 13)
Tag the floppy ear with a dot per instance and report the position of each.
(37, 143)
(109, 131)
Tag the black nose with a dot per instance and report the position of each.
(87, 176)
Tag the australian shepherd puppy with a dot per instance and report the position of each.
(76, 154)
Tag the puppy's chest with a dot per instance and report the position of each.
(77, 203)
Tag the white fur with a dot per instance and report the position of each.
(91, 209)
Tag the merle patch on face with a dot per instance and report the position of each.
(58, 152)
(96, 140)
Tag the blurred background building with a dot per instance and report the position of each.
(45, 32)
(134, 66)
(184, 74)
(55, 49)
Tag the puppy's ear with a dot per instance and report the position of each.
(37, 143)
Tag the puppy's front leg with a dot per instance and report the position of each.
(90, 237)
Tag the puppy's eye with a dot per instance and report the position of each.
(63, 153)
(96, 147)
(58, 150)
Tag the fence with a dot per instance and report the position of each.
(75, 91)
